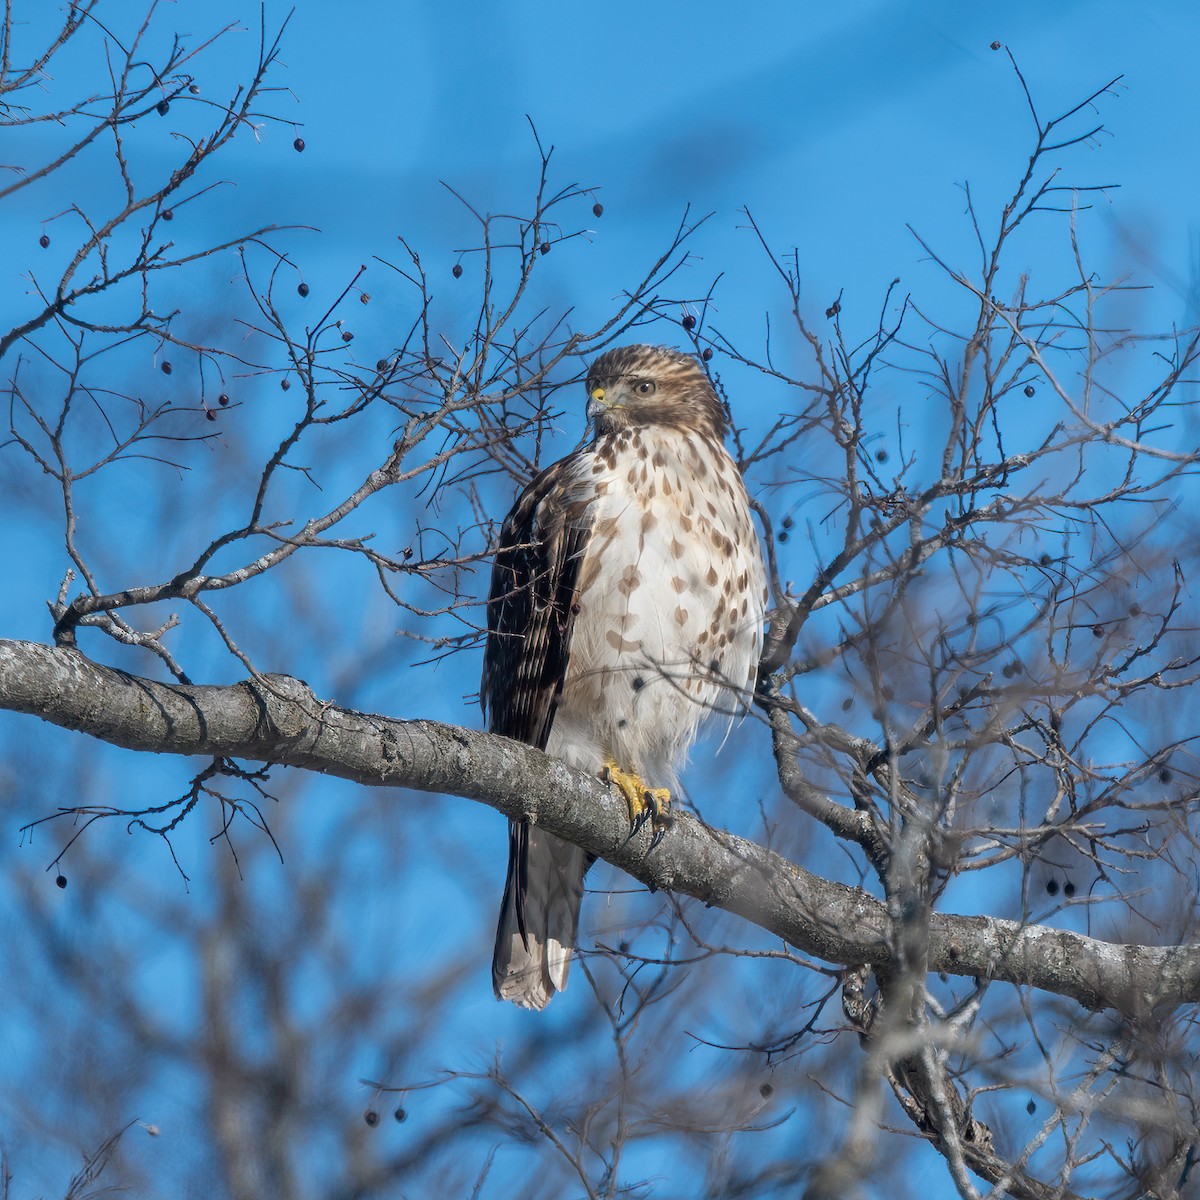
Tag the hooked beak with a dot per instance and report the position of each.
(597, 403)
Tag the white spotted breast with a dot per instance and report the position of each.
(671, 598)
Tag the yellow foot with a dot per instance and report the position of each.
(643, 801)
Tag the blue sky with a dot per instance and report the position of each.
(836, 127)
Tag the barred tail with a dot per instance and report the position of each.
(539, 916)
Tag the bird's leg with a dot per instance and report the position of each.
(643, 801)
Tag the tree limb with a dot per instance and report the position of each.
(277, 719)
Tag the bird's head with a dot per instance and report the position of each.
(652, 385)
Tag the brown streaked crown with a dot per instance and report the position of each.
(681, 395)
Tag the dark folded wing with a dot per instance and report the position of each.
(531, 609)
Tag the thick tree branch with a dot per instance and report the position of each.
(276, 719)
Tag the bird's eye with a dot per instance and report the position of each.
(645, 387)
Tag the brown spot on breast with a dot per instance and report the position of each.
(649, 521)
(666, 484)
(681, 616)
(658, 460)
(630, 580)
(620, 644)
(685, 523)
(680, 585)
(676, 548)
(589, 572)
(711, 577)
(631, 476)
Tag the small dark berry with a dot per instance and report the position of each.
(194, 89)
(1068, 888)
(597, 209)
(881, 456)
(401, 1114)
(168, 214)
(381, 365)
(211, 413)
(1135, 610)
(847, 704)
(1164, 775)
(787, 522)
(996, 46)
(284, 384)
(302, 289)
(364, 298)
(765, 1090)
(1031, 1108)
(162, 108)
(222, 399)
(165, 368)
(298, 145)
(783, 536)
(347, 336)
(623, 947)
(706, 354)
(1045, 560)
(544, 248)
(1052, 887)
(43, 241)
(834, 309)
(456, 270)
(61, 880)
(371, 1117)
(688, 322)
(1029, 389)
(1097, 631)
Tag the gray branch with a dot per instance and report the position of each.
(277, 719)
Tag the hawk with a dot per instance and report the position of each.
(627, 604)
